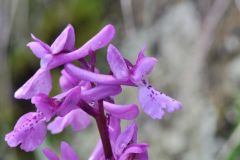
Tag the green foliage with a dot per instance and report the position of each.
(235, 153)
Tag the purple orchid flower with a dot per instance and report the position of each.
(58, 54)
(41, 81)
(124, 144)
(67, 153)
(154, 103)
(29, 131)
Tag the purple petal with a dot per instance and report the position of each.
(67, 152)
(100, 40)
(135, 151)
(67, 81)
(140, 55)
(65, 41)
(114, 129)
(100, 92)
(50, 154)
(142, 69)
(125, 138)
(48, 106)
(70, 102)
(60, 104)
(29, 131)
(40, 82)
(44, 45)
(117, 63)
(77, 118)
(85, 85)
(62, 95)
(45, 60)
(155, 103)
(37, 49)
(128, 112)
(82, 74)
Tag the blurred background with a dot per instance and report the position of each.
(197, 43)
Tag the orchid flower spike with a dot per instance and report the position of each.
(86, 92)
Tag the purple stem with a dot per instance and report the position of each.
(101, 124)
(103, 131)
(88, 109)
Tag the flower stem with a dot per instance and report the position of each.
(88, 109)
(101, 124)
(103, 131)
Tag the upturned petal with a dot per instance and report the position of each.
(43, 44)
(50, 154)
(135, 151)
(143, 67)
(141, 55)
(101, 39)
(114, 129)
(67, 152)
(77, 119)
(126, 138)
(29, 131)
(70, 101)
(38, 49)
(40, 82)
(127, 112)
(65, 41)
(117, 63)
(155, 103)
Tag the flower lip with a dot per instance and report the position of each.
(29, 131)
(155, 103)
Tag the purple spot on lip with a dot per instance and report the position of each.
(144, 82)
